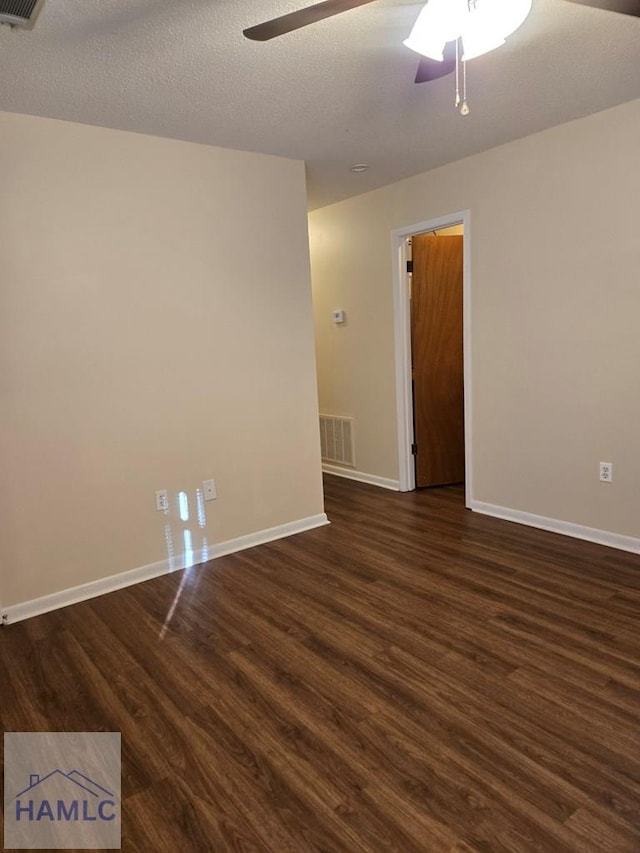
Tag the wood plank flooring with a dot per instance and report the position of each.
(414, 677)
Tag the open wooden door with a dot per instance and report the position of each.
(437, 359)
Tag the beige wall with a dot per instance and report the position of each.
(155, 330)
(555, 256)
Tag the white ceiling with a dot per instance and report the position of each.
(336, 93)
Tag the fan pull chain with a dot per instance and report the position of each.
(457, 103)
(464, 108)
(461, 103)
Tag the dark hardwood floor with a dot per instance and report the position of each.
(414, 677)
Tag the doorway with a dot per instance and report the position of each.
(437, 373)
(433, 352)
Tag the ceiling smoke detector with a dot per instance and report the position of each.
(20, 13)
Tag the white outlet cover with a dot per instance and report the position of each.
(606, 472)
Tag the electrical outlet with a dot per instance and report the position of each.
(209, 488)
(606, 472)
(162, 500)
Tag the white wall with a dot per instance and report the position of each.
(556, 300)
(155, 330)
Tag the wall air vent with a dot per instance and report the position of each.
(336, 440)
(19, 13)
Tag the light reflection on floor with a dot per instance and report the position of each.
(193, 547)
(174, 604)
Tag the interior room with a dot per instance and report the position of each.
(320, 518)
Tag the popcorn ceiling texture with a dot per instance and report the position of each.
(333, 94)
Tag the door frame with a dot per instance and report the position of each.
(402, 337)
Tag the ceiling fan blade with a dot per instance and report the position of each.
(431, 69)
(301, 18)
(625, 7)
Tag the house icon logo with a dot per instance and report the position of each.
(62, 790)
(60, 796)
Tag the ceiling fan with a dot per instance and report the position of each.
(428, 69)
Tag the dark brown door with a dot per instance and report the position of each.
(437, 359)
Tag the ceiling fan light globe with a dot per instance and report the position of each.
(476, 42)
(431, 48)
(445, 17)
(438, 23)
(482, 26)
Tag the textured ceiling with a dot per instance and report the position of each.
(336, 93)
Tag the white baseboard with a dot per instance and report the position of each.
(73, 595)
(361, 477)
(567, 528)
